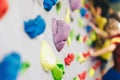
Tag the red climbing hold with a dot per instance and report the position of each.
(69, 59)
(83, 75)
(3, 8)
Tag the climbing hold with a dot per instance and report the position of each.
(48, 4)
(87, 16)
(61, 32)
(83, 57)
(83, 75)
(67, 17)
(87, 5)
(10, 66)
(35, 27)
(94, 68)
(3, 8)
(47, 57)
(89, 42)
(83, 11)
(80, 23)
(69, 59)
(76, 78)
(78, 38)
(74, 4)
(81, 39)
(70, 38)
(24, 66)
(88, 29)
(58, 71)
(82, 2)
(58, 6)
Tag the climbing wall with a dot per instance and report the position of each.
(14, 38)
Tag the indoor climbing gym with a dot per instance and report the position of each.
(59, 39)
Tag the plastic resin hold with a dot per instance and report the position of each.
(10, 66)
(48, 4)
(83, 57)
(88, 29)
(58, 71)
(80, 23)
(47, 57)
(71, 36)
(67, 16)
(74, 4)
(69, 59)
(3, 8)
(94, 68)
(35, 27)
(58, 7)
(61, 32)
(24, 67)
(81, 76)
(81, 39)
(83, 12)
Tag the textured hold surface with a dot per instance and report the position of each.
(60, 33)
(10, 66)
(35, 27)
(3, 8)
(74, 4)
(58, 71)
(47, 57)
(48, 4)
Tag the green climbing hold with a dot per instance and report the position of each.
(58, 7)
(58, 71)
(80, 23)
(24, 66)
(71, 36)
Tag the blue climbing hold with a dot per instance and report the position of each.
(54, 2)
(0, 71)
(35, 27)
(48, 4)
(10, 66)
(83, 11)
(88, 29)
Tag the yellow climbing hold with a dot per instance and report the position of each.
(91, 72)
(67, 17)
(47, 57)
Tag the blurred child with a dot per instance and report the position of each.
(113, 34)
(99, 10)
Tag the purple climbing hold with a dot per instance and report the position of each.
(35, 27)
(74, 4)
(61, 32)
